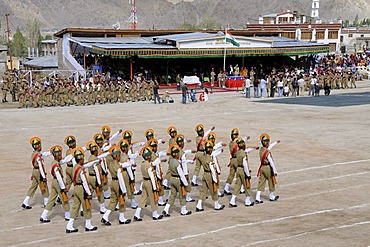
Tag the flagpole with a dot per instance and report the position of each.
(225, 51)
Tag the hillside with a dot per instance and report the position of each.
(165, 14)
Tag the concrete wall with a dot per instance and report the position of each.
(3, 55)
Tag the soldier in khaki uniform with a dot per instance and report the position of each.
(95, 176)
(99, 140)
(233, 147)
(178, 182)
(337, 78)
(81, 192)
(150, 186)
(352, 79)
(38, 173)
(150, 90)
(200, 150)
(155, 157)
(180, 140)
(243, 175)
(117, 186)
(122, 92)
(128, 174)
(70, 141)
(267, 170)
(22, 97)
(48, 96)
(55, 94)
(209, 178)
(58, 187)
(172, 132)
(5, 86)
(344, 80)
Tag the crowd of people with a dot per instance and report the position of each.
(109, 171)
(325, 73)
(319, 73)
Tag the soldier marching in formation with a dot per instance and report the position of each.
(88, 175)
(64, 91)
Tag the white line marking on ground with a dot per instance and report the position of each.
(309, 232)
(289, 198)
(321, 193)
(324, 166)
(324, 179)
(128, 122)
(36, 241)
(250, 224)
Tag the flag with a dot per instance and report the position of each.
(229, 38)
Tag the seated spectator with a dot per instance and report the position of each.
(204, 96)
(165, 97)
(193, 97)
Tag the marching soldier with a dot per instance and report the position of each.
(267, 169)
(128, 174)
(22, 96)
(38, 173)
(243, 175)
(153, 144)
(352, 79)
(178, 182)
(118, 188)
(233, 147)
(150, 186)
(106, 133)
(180, 140)
(127, 135)
(5, 85)
(210, 178)
(200, 150)
(81, 191)
(58, 187)
(217, 149)
(70, 141)
(172, 132)
(99, 140)
(95, 177)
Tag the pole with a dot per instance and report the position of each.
(225, 51)
(225, 58)
(9, 45)
(131, 69)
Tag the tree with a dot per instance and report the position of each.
(209, 24)
(346, 24)
(33, 33)
(19, 47)
(187, 26)
(356, 22)
(48, 37)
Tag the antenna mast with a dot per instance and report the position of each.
(9, 41)
(133, 17)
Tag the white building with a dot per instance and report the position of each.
(355, 40)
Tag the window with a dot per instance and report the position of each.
(290, 35)
(320, 35)
(333, 34)
(350, 35)
(332, 47)
(306, 35)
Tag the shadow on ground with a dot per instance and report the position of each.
(337, 100)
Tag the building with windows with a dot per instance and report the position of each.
(355, 40)
(84, 49)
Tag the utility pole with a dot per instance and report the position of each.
(133, 17)
(9, 44)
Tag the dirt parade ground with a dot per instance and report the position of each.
(323, 164)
